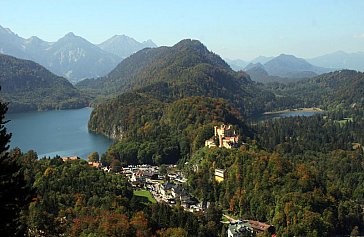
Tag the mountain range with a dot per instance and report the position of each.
(72, 57)
(239, 64)
(340, 60)
(288, 67)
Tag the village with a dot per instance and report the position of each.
(168, 184)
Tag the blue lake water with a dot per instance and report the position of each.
(57, 132)
(287, 114)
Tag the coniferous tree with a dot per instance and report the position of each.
(13, 192)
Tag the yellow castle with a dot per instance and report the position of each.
(226, 136)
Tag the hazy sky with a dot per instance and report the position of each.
(234, 29)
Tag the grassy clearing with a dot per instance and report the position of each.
(145, 194)
(224, 219)
(226, 212)
(345, 120)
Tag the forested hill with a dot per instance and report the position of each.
(335, 90)
(155, 64)
(27, 86)
(152, 132)
(155, 81)
(186, 69)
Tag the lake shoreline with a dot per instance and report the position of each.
(56, 132)
(312, 109)
(10, 111)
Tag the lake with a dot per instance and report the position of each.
(287, 114)
(56, 132)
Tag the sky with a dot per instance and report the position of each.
(235, 29)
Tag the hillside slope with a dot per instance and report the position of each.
(28, 86)
(186, 69)
(173, 95)
(339, 89)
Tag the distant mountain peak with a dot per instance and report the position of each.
(6, 30)
(149, 43)
(287, 56)
(34, 39)
(236, 64)
(289, 59)
(120, 37)
(290, 66)
(71, 55)
(261, 59)
(253, 65)
(123, 45)
(70, 35)
(192, 44)
(74, 39)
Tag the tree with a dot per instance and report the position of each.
(94, 157)
(163, 169)
(355, 231)
(140, 224)
(14, 194)
(115, 165)
(172, 232)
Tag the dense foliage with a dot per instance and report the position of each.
(340, 90)
(302, 174)
(154, 64)
(28, 86)
(70, 198)
(174, 96)
(156, 133)
(305, 175)
(317, 133)
(310, 194)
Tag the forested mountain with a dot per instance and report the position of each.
(186, 69)
(335, 90)
(152, 132)
(124, 46)
(153, 65)
(186, 75)
(28, 86)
